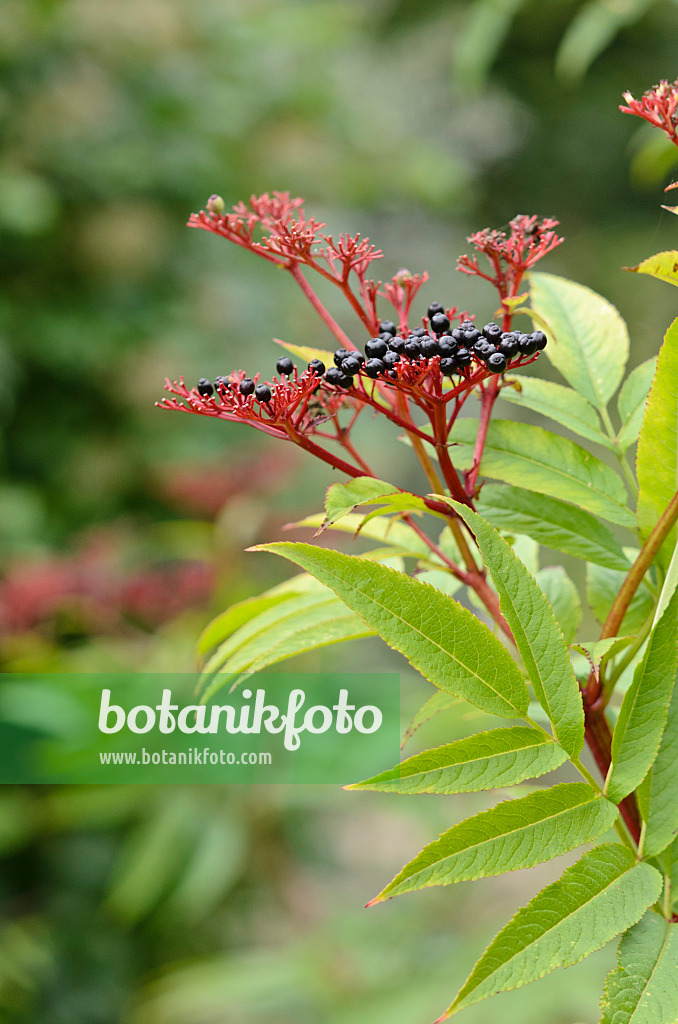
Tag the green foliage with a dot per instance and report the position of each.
(642, 989)
(663, 265)
(658, 793)
(564, 405)
(600, 896)
(632, 400)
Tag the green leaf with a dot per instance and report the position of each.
(488, 760)
(642, 716)
(563, 596)
(663, 265)
(658, 793)
(306, 354)
(588, 340)
(440, 701)
(642, 989)
(603, 585)
(303, 625)
(553, 523)
(365, 490)
(632, 401)
(234, 617)
(439, 637)
(600, 896)
(389, 531)
(657, 457)
(513, 835)
(599, 652)
(591, 31)
(530, 457)
(564, 405)
(536, 633)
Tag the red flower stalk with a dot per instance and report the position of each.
(511, 255)
(658, 106)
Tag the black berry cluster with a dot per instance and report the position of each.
(460, 351)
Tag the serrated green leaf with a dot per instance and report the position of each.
(389, 531)
(563, 596)
(601, 895)
(663, 265)
(487, 760)
(657, 455)
(513, 835)
(554, 523)
(308, 627)
(443, 640)
(643, 989)
(530, 457)
(564, 405)
(365, 490)
(439, 701)
(603, 585)
(658, 794)
(642, 716)
(599, 652)
(536, 633)
(632, 401)
(306, 354)
(235, 617)
(588, 340)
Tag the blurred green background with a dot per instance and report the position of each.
(122, 527)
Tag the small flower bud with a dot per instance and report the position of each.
(215, 204)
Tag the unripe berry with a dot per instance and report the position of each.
(435, 307)
(317, 366)
(439, 323)
(496, 363)
(246, 386)
(262, 393)
(350, 366)
(215, 204)
(205, 387)
(387, 327)
(373, 367)
(375, 348)
(463, 357)
(285, 366)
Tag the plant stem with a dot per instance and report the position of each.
(599, 740)
(486, 405)
(320, 309)
(439, 424)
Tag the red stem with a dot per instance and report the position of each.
(328, 320)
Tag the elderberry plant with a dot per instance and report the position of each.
(514, 656)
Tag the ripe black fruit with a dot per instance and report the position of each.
(246, 386)
(540, 338)
(340, 355)
(439, 323)
(285, 366)
(387, 327)
(483, 349)
(463, 358)
(336, 377)
(527, 344)
(390, 358)
(205, 387)
(492, 332)
(435, 307)
(447, 345)
(396, 344)
(373, 367)
(470, 336)
(412, 349)
(351, 365)
(419, 332)
(375, 348)
(447, 366)
(262, 393)
(429, 347)
(496, 363)
(317, 366)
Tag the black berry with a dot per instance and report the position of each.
(350, 366)
(429, 347)
(387, 327)
(389, 359)
(447, 345)
(412, 349)
(397, 344)
(483, 349)
(435, 307)
(492, 331)
(470, 336)
(540, 338)
(205, 387)
(262, 393)
(418, 332)
(317, 366)
(336, 377)
(463, 357)
(340, 355)
(496, 363)
(373, 367)
(246, 386)
(447, 366)
(466, 324)
(220, 382)
(375, 348)
(285, 366)
(508, 345)
(527, 344)
(439, 323)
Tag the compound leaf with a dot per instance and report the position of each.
(564, 405)
(601, 895)
(502, 757)
(563, 596)
(642, 989)
(658, 794)
(515, 834)
(632, 401)
(536, 633)
(438, 636)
